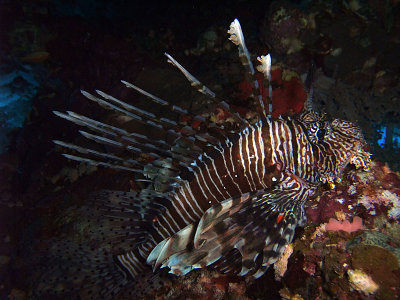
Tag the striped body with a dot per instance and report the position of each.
(249, 163)
(274, 153)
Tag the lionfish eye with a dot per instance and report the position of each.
(321, 133)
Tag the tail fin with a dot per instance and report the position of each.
(108, 256)
(79, 272)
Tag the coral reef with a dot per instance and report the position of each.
(203, 284)
(364, 261)
(335, 260)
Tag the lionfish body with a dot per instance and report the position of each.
(227, 200)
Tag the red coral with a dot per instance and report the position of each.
(245, 89)
(287, 99)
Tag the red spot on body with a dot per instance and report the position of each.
(280, 218)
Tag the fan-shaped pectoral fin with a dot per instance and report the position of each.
(259, 225)
(199, 245)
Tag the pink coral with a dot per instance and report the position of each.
(335, 225)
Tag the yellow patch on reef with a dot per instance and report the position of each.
(293, 44)
(362, 282)
(287, 295)
(340, 216)
(213, 118)
(281, 265)
(287, 75)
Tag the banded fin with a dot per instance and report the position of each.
(237, 37)
(184, 251)
(195, 83)
(230, 263)
(119, 137)
(149, 170)
(309, 84)
(180, 110)
(123, 220)
(141, 115)
(155, 98)
(127, 212)
(259, 225)
(149, 119)
(265, 68)
(136, 143)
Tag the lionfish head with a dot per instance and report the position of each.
(340, 142)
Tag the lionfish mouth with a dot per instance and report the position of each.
(361, 159)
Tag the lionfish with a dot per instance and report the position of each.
(228, 200)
